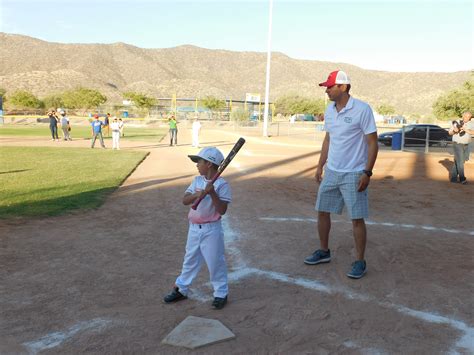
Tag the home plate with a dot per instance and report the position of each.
(194, 332)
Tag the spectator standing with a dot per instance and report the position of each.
(173, 130)
(115, 134)
(65, 126)
(348, 153)
(53, 125)
(107, 125)
(196, 129)
(461, 140)
(97, 131)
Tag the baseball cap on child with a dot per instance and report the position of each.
(336, 77)
(211, 154)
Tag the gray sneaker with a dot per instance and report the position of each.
(359, 268)
(318, 257)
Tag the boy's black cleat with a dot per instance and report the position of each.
(174, 296)
(219, 302)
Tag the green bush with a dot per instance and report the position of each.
(54, 100)
(140, 100)
(239, 115)
(213, 103)
(454, 103)
(83, 98)
(24, 99)
(385, 109)
(293, 103)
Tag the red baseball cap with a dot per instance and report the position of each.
(336, 77)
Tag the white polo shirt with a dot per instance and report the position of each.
(466, 138)
(348, 149)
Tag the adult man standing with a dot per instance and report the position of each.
(349, 152)
(97, 131)
(53, 125)
(107, 121)
(461, 141)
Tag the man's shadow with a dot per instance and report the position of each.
(447, 163)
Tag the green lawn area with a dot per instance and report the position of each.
(44, 181)
(84, 132)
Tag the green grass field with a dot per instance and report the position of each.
(83, 132)
(43, 181)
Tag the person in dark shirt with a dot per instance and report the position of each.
(107, 125)
(53, 125)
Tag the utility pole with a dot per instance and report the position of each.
(267, 81)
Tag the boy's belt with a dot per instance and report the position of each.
(200, 225)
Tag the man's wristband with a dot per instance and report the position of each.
(367, 172)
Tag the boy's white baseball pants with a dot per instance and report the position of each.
(205, 242)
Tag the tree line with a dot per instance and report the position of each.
(455, 102)
(449, 105)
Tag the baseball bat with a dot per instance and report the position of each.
(222, 167)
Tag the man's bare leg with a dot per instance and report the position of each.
(360, 237)
(324, 226)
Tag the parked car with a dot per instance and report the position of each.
(416, 135)
(301, 117)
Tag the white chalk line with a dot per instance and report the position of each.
(241, 271)
(466, 341)
(237, 166)
(367, 351)
(369, 222)
(52, 340)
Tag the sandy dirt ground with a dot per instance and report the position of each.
(92, 282)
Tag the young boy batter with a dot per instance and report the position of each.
(205, 235)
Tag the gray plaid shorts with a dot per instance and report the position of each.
(339, 189)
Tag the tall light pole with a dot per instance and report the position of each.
(267, 81)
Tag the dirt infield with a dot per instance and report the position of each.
(93, 282)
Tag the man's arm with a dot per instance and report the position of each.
(373, 149)
(469, 130)
(453, 130)
(323, 157)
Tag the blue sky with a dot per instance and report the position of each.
(402, 35)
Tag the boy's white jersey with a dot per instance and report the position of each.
(206, 212)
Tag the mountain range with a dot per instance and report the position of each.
(188, 71)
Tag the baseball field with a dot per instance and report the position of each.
(92, 281)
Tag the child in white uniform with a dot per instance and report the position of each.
(115, 134)
(196, 128)
(205, 235)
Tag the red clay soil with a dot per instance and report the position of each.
(93, 281)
